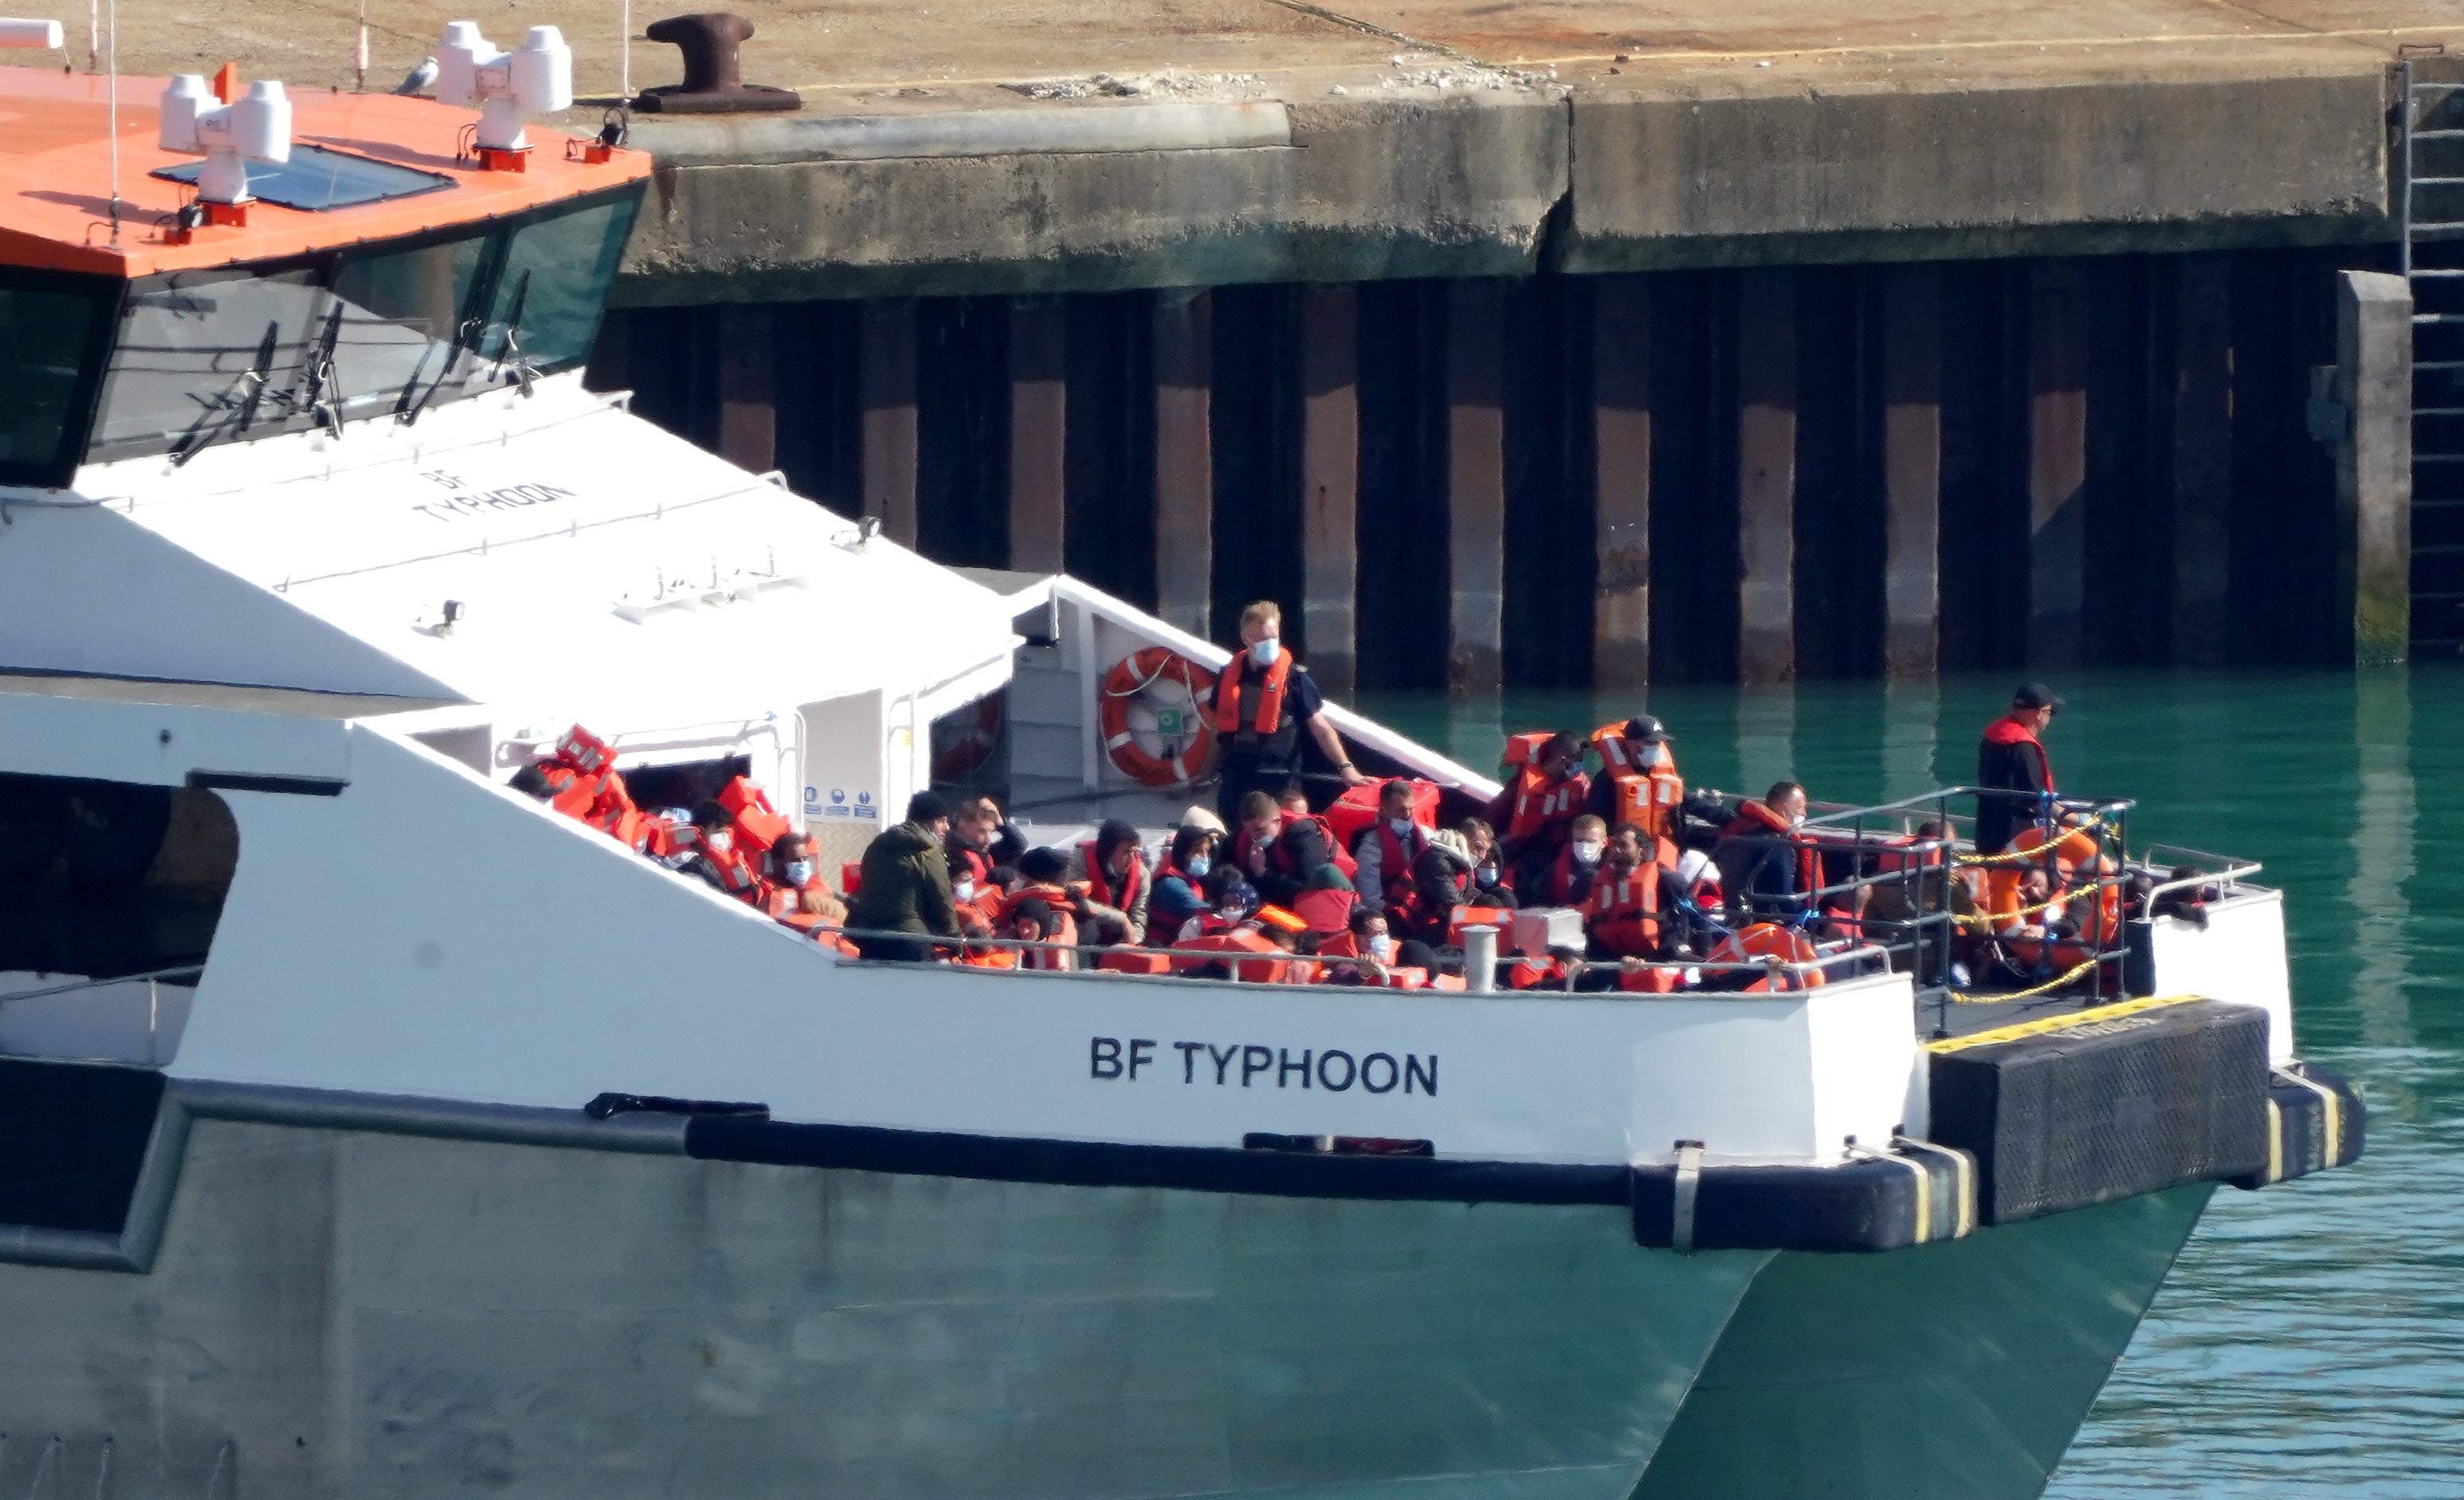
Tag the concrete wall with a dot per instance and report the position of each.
(1466, 185)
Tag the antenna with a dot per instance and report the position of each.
(360, 58)
(111, 41)
(624, 50)
(255, 127)
(537, 78)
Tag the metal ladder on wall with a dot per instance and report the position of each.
(2430, 211)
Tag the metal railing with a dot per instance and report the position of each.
(1185, 962)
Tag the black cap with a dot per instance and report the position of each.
(926, 807)
(1043, 865)
(2035, 695)
(1646, 729)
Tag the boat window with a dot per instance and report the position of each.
(206, 356)
(50, 328)
(386, 331)
(318, 177)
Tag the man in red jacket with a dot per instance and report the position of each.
(2011, 761)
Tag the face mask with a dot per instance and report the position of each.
(1796, 820)
(1655, 755)
(719, 840)
(1401, 825)
(1264, 652)
(1487, 874)
(1382, 947)
(798, 872)
(963, 889)
(1198, 866)
(1587, 853)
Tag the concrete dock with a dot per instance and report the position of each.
(1678, 340)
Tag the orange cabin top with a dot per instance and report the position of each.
(56, 177)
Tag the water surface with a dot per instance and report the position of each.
(2311, 1339)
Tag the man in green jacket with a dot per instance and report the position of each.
(906, 886)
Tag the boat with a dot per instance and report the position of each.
(368, 1126)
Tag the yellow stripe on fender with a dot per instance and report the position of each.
(2048, 1025)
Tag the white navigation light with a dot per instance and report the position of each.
(35, 36)
(256, 127)
(503, 86)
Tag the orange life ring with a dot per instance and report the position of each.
(1164, 696)
(1770, 941)
(961, 748)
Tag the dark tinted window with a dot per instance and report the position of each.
(317, 178)
(207, 357)
(49, 346)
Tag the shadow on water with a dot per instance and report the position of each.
(2311, 1339)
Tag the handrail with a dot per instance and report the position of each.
(1799, 969)
(193, 970)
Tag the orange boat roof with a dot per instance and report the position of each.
(56, 177)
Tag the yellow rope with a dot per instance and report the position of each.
(1988, 920)
(2040, 854)
(2050, 986)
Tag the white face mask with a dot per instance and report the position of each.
(1198, 866)
(1655, 755)
(800, 872)
(1796, 820)
(1487, 874)
(963, 889)
(1382, 947)
(718, 840)
(1587, 853)
(1264, 652)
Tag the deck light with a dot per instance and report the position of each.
(503, 86)
(256, 127)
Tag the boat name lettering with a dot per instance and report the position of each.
(1246, 1063)
(463, 501)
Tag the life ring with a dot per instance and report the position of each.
(1145, 693)
(962, 745)
(1770, 941)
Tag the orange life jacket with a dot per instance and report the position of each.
(1099, 880)
(758, 823)
(1203, 951)
(1646, 794)
(1623, 911)
(738, 877)
(1756, 819)
(1565, 884)
(1269, 716)
(1540, 804)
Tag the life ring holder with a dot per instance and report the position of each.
(967, 753)
(1131, 678)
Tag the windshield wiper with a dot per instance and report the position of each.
(318, 377)
(235, 409)
(524, 372)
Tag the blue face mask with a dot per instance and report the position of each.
(798, 872)
(1198, 866)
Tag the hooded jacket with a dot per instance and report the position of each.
(906, 886)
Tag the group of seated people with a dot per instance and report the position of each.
(1621, 870)
(734, 840)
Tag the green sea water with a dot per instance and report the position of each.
(2311, 1339)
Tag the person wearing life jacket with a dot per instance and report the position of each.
(1308, 855)
(1263, 703)
(1638, 781)
(716, 858)
(1764, 872)
(1229, 901)
(1623, 912)
(1568, 879)
(2016, 895)
(791, 889)
(1279, 854)
(1178, 876)
(1111, 872)
(2015, 777)
(1383, 855)
(1538, 805)
(1032, 919)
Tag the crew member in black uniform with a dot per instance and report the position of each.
(2012, 759)
(1263, 701)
